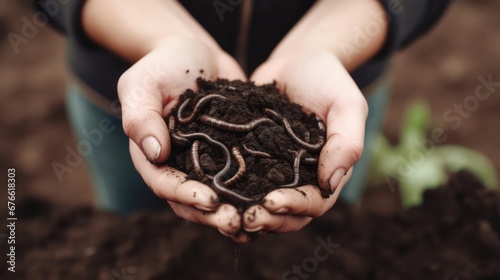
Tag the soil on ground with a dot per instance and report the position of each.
(454, 234)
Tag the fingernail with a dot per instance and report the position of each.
(225, 234)
(336, 177)
(282, 210)
(203, 208)
(151, 148)
(254, 229)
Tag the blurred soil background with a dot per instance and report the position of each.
(442, 69)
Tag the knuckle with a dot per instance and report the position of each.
(154, 186)
(131, 123)
(364, 106)
(356, 148)
(123, 83)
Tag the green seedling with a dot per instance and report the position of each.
(417, 163)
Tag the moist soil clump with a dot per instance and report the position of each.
(244, 140)
(454, 234)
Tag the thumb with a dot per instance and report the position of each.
(345, 133)
(268, 73)
(142, 116)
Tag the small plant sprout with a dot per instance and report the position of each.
(417, 164)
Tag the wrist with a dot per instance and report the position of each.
(353, 31)
(135, 28)
(364, 37)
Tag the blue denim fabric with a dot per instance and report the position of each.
(117, 185)
(378, 101)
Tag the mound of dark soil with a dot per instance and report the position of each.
(455, 234)
(244, 140)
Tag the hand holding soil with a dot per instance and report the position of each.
(147, 92)
(245, 141)
(318, 81)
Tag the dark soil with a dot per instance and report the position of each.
(455, 234)
(244, 102)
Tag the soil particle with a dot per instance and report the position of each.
(302, 192)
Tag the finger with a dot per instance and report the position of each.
(173, 185)
(344, 147)
(142, 119)
(304, 200)
(225, 218)
(229, 68)
(267, 73)
(257, 218)
(151, 84)
(337, 100)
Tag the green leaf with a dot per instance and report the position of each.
(457, 158)
(428, 174)
(415, 126)
(383, 161)
(434, 164)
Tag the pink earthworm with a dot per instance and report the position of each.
(219, 186)
(309, 147)
(256, 153)
(310, 160)
(195, 159)
(227, 126)
(242, 167)
(197, 108)
(296, 168)
(176, 139)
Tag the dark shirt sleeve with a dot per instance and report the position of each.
(65, 17)
(409, 19)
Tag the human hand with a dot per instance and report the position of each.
(311, 64)
(147, 92)
(319, 82)
(170, 50)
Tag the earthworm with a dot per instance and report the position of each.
(256, 153)
(227, 126)
(296, 167)
(197, 108)
(241, 169)
(171, 124)
(321, 125)
(218, 185)
(305, 160)
(195, 159)
(310, 160)
(176, 139)
(309, 147)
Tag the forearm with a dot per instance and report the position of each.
(354, 31)
(132, 28)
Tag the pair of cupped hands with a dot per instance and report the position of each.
(317, 80)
